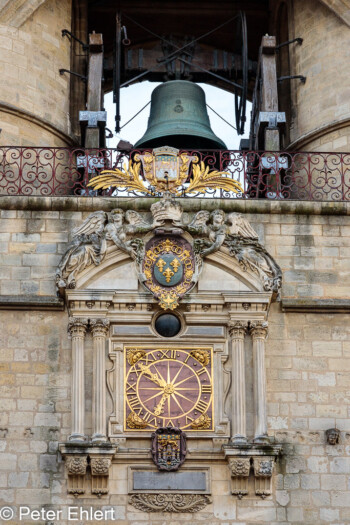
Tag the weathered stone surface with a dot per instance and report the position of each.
(187, 481)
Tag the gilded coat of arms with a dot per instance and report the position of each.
(169, 267)
(165, 169)
(168, 448)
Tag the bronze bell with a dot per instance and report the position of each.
(179, 118)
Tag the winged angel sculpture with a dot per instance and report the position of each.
(210, 232)
(234, 232)
(89, 243)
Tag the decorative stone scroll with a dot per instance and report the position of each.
(80, 458)
(99, 475)
(76, 468)
(205, 233)
(263, 468)
(169, 502)
(253, 460)
(240, 469)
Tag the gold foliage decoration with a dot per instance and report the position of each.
(202, 179)
(130, 179)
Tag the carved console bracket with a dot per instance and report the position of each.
(79, 458)
(246, 461)
(76, 467)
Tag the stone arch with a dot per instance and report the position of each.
(117, 263)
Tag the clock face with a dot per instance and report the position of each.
(168, 387)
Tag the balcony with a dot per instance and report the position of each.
(55, 172)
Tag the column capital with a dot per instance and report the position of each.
(77, 326)
(99, 327)
(259, 329)
(237, 329)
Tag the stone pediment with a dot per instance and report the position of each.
(167, 256)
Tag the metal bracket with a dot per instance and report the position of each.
(298, 40)
(93, 118)
(290, 77)
(67, 33)
(82, 77)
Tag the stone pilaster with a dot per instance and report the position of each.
(77, 329)
(237, 332)
(258, 332)
(99, 328)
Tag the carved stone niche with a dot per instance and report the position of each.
(250, 460)
(80, 458)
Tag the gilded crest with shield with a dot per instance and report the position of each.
(165, 169)
(169, 268)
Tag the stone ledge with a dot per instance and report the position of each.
(252, 449)
(32, 302)
(316, 305)
(90, 204)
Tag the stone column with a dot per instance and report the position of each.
(99, 329)
(258, 332)
(77, 329)
(237, 332)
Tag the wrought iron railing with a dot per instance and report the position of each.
(263, 175)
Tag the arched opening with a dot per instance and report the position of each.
(220, 105)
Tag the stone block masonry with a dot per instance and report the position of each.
(307, 362)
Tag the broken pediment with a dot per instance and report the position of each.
(168, 256)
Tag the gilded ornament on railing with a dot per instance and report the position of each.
(202, 179)
(166, 170)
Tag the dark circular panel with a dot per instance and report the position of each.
(167, 325)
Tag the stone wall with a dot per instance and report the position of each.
(310, 241)
(307, 361)
(34, 100)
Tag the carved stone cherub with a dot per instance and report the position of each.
(89, 243)
(215, 231)
(88, 246)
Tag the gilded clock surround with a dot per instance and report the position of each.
(168, 386)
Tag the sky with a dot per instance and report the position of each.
(133, 98)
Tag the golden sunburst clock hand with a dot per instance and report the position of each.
(168, 390)
(153, 376)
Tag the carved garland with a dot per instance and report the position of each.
(169, 502)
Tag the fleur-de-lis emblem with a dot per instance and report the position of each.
(175, 264)
(168, 274)
(160, 264)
